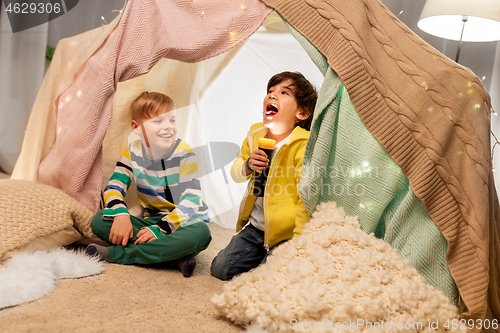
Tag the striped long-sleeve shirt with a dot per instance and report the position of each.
(167, 187)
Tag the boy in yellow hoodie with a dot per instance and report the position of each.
(280, 214)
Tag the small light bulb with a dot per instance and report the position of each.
(401, 12)
(202, 14)
(493, 169)
(232, 34)
(243, 6)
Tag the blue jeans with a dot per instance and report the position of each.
(244, 252)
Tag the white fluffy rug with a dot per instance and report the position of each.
(29, 276)
(336, 278)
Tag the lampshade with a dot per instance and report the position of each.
(443, 18)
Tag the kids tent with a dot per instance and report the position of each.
(430, 115)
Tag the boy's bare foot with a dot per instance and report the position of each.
(186, 265)
(99, 251)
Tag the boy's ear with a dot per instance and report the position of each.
(301, 115)
(135, 127)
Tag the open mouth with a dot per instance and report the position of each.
(271, 110)
(165, 136)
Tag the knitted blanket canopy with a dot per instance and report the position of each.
(430, 114)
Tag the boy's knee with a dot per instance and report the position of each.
(201, 234)
(217, 269)
(97, 221)
(207, 235)
(221, 266)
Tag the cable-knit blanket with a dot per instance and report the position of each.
(431, 115)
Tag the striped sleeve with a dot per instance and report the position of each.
(190, 198)
(119, 183)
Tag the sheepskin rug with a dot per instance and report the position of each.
(29, 276)
(335, 278)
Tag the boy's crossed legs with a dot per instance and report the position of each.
(187, 241)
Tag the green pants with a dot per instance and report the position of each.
(187, 240)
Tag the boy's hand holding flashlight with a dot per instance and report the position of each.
(258, 160)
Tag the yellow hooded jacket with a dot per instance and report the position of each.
(284, 211)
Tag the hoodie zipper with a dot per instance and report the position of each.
(268, 182)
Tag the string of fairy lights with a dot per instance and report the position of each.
(104, 22)
(497, 142)
(233, 34)
(492, 111)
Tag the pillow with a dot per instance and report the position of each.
(334, 276)
(33, 213)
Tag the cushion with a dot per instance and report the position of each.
(333, 274)
(39, 214)
(63, 237)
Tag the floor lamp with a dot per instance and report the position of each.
(462, 20)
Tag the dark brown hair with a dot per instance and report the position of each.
(305, 94)
(149, 105)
